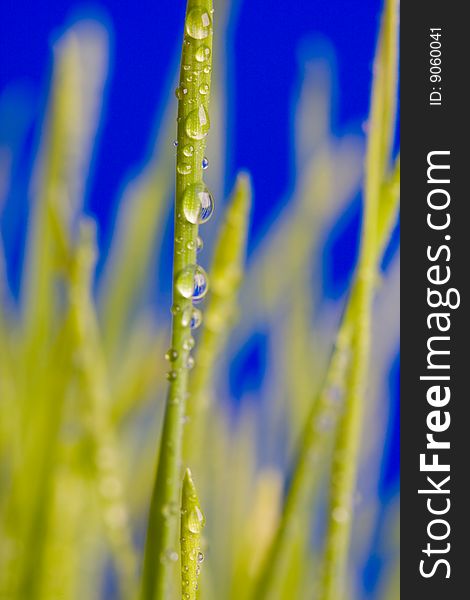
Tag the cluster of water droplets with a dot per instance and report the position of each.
(197, 203)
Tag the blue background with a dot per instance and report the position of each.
(145, 38)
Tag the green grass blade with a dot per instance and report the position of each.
(192, 522)
(193, 125)
(346, 451)
(381, 204)
(95, 404)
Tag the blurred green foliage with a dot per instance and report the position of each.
(82, 373)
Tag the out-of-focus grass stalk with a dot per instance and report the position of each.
(316, 439)
(346, 451)
(49, 243)
(192, 522)
(193, 125)
(142, 374)
(225, 276)
(131, 253)
(94, 394)
(42, 348)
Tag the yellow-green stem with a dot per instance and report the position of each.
(193, 124)
(347, 445)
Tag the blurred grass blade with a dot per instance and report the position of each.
(352, 341)
(225, 276)
(139, 220)
(347, 445)
(193, 126)
(95, 407)
(79, 65)
(192, 522)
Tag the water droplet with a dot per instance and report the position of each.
(197, 123)
(171, 355)
(175, 143)
(170, 555)
(203, 89)
(198, 23)
(198, 203)
(189, 78)
(189, 343)
(188, 150)
(200, 557)
(180, 92)
(195, 520)
(171, 375)
(175, 309)
(190, 362)
(170, 509)
(196, 318)
(205, 163)
(186, 67)
(183, 168)
(191, 282)
(203, 53)
(340, 514)
(207, 69)
(191, 316)
(199, 244)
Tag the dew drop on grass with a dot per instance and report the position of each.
(171, 355)
(180, 92)
(191, 282)
(191, 316)
(195, 520)
(196, 318)
(198, 23)
(169, 556)
(203, 89)
(198, 203)
(171, 375)
(197, 123)
(199, 244)
(340, 514)
(189, 343)
(190, 362)
(188, 150)
(205, 163)
(200, 557)
(183, 168)
(203, 53)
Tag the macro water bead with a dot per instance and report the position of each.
(197, 123)
(203, 53)
(196, 521)
(198, 203)
(198, 23)
(192, 282)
